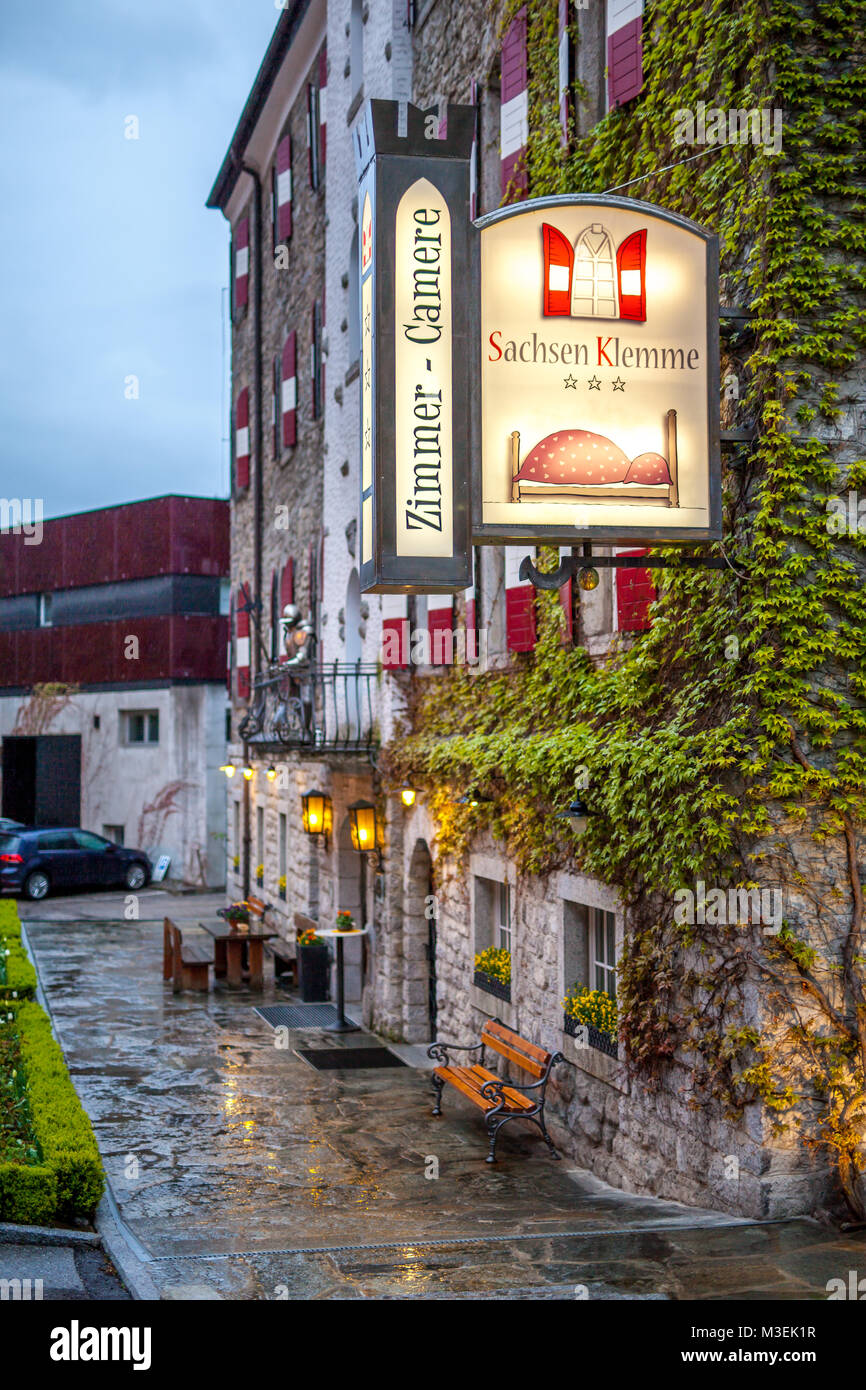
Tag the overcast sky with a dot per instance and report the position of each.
(113, 267)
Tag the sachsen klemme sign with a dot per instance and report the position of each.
(598, 369)
(549, 373)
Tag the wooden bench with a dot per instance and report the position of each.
(500, 1100)
(185, 963)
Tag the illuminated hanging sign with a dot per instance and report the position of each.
(414, 271)
(598, 367)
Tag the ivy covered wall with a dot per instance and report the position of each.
(727, 745)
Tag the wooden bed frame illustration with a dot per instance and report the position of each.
(658, 495)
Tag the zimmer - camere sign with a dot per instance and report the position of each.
(563, 350)
(414, 274)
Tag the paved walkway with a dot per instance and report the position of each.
(239, 1171)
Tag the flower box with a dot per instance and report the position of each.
(493, 986)
(587, 1033)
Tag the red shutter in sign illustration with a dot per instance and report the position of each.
(284, 189)
(242, 439)
(624, 50)
(242, 647)
(289, 400)
(514, 110)
(242, 263)
(631, 275)
(558, 269)
(635, 592)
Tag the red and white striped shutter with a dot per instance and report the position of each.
(635, 592)
(519, 603)
(242, 648)
(242, 263)
(473, 158)
(276, 373)
(624, 50)
(395, 632)
(514, 109)
(323, 103)
(564, 72)
(287, 595)
(284, 189)
(440, 627)
(242, 439)
(289, 390)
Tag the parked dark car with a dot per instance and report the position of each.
(6, 824)
(39, 862)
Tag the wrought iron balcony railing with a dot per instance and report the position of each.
(317, 709)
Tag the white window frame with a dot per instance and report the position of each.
(126, 715)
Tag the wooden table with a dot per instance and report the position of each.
(229, 953)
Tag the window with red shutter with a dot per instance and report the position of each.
(289, 390)
(395, 632)
(519, 603)
(282, 191)
(241, 265)
(514, 110)
(624, 50)
(440, 629)
(316, 360)
(635, 592)
(242, 646)
(323, 105)
(242, 440)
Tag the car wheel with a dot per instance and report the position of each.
(135, 877)
(36, 886)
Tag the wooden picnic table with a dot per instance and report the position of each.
(229, 945)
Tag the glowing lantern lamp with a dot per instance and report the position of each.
(364, 830)
(578, 813)
(318, 813)
(228, 769)
(407, 796)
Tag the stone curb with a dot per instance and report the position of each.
(10, 1234)
(131, 1269)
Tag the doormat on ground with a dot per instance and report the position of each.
(348, 1058)
(299, 1015)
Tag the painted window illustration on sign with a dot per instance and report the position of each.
(591, 279)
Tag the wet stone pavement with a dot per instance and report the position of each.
(240, 1171)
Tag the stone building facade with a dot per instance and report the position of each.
(430, 916)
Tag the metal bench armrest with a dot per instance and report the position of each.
(492, 1090)
(438, 1051)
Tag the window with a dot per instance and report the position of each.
(313, 134)
(316, 361)
(57, 839)
(260, 835)
(502, 919)
(113, 832)
(45, 609)
(602, 951)
(493, 924)
(139, 726)
(228, 726)
(236, 824)
(283, 851)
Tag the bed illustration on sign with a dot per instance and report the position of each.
(579, 465)
(590, 279)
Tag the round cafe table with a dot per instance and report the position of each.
(343, 1024)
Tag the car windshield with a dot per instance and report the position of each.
(9, 844)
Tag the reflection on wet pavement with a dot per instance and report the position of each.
(232, 1161)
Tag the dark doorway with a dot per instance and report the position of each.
(42, 779)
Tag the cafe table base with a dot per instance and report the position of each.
(343, 1024)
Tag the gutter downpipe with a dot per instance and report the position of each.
(258, 494)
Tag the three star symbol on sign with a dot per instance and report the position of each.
(571, 382)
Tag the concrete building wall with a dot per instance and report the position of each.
(167, 797)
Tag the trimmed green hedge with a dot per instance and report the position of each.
(68, 1182)
(17, 975)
